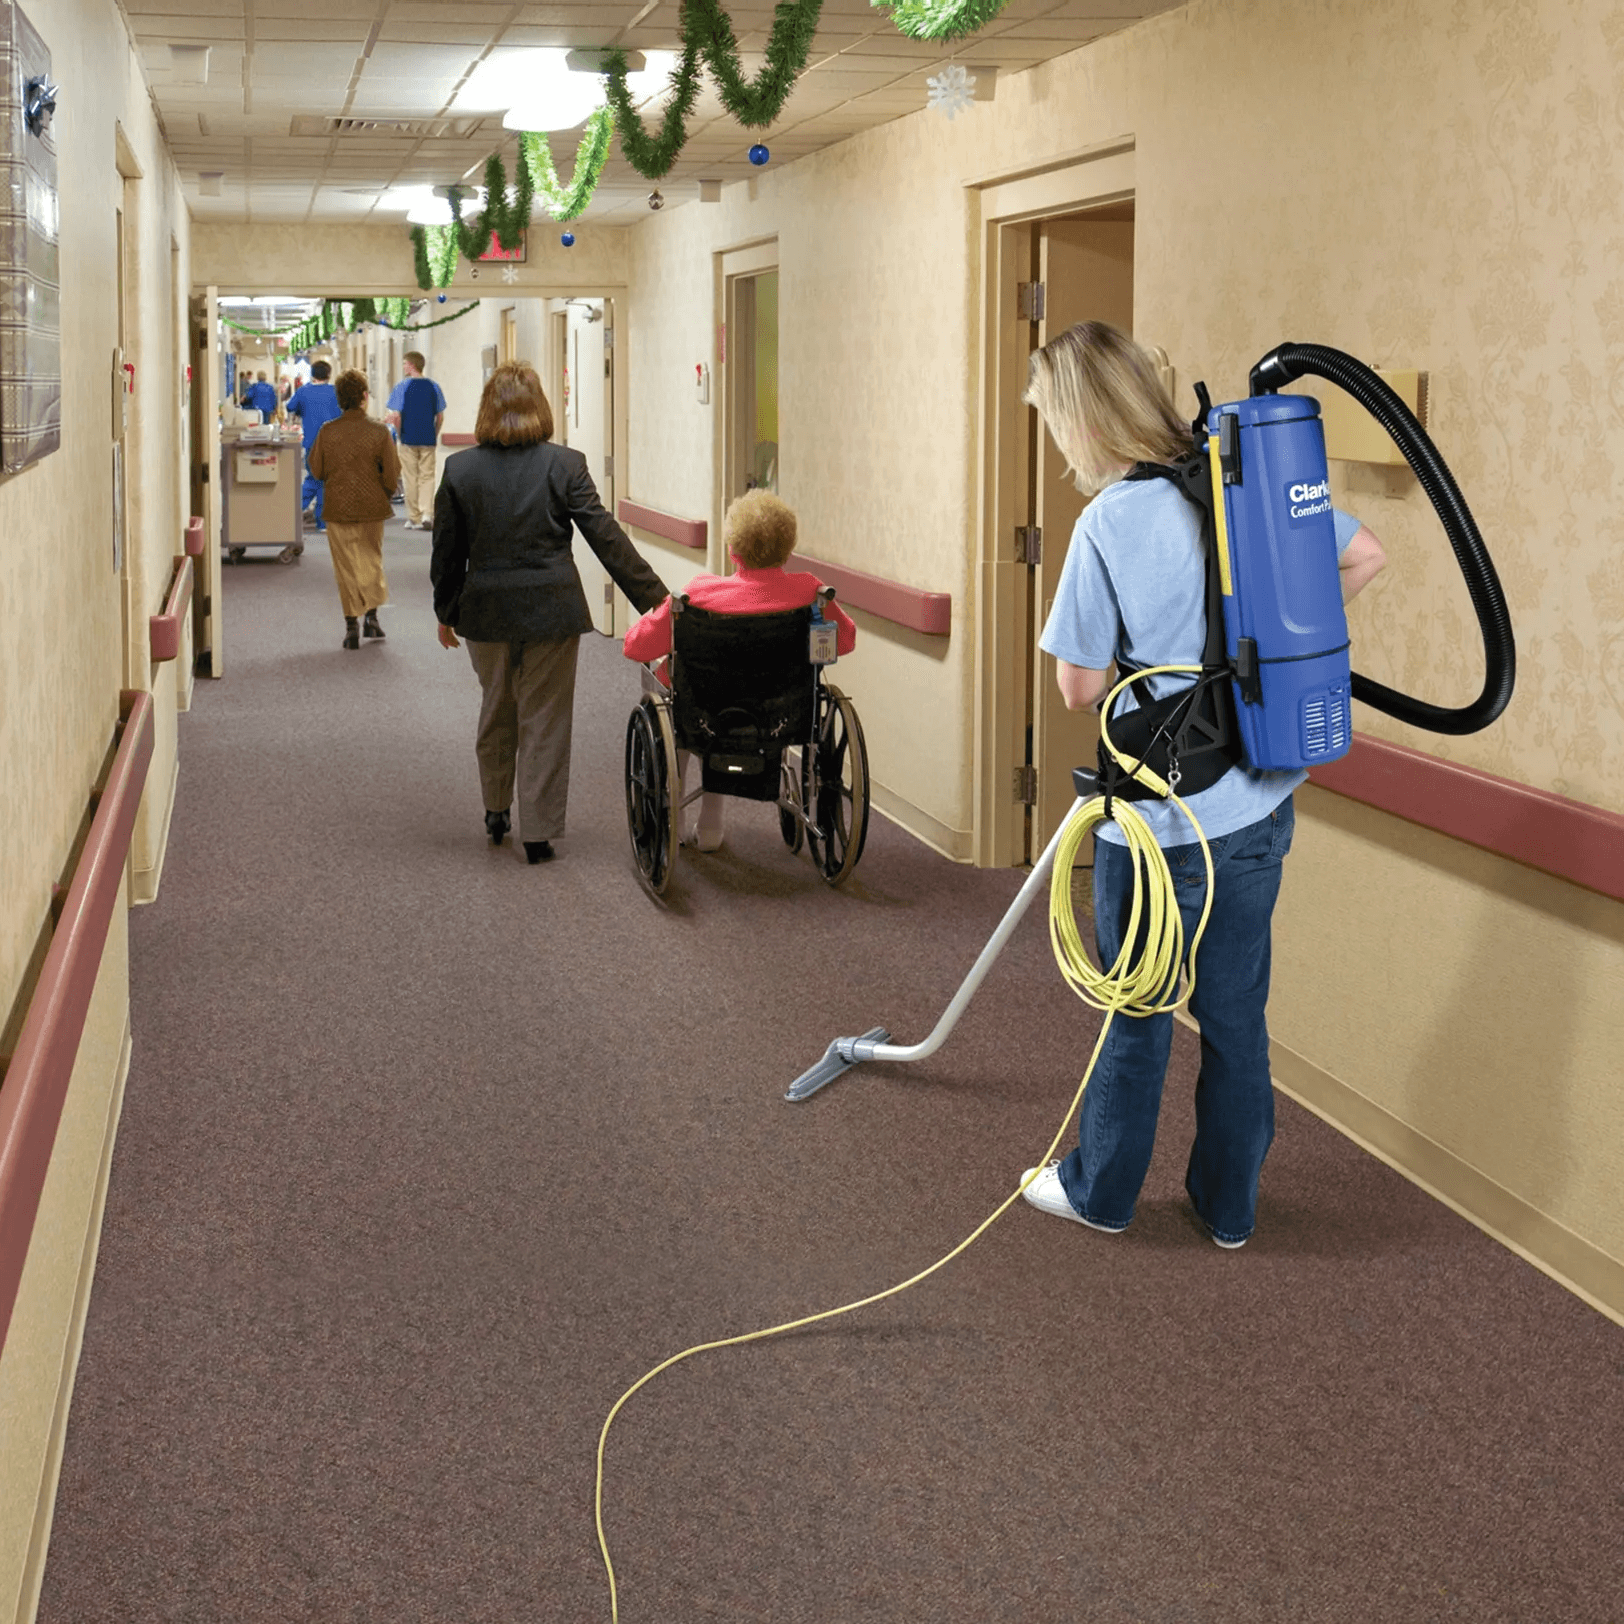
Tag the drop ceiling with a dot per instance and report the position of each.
(313, 109)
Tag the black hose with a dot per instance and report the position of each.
(1291, 361)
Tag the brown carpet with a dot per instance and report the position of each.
(427, 1155)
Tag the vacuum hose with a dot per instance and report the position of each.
(1287, 362)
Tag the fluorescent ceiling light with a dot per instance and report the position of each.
(541, 91)
(436, 211)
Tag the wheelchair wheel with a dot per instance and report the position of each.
(789, 801)
(834, 787)
(651, 804)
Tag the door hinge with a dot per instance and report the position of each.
(609, 467)
(208, 604)
(608, 594)
(1026, 786)
(608, 338)
(1028, 544)
(202, 473)
(1029, 297)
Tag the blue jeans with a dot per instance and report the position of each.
(1234, 1100)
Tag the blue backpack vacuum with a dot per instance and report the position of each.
(1276, 685)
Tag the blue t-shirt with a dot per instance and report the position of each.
(314, 404)
(1135, 579)
(261, 398)
(419, 401)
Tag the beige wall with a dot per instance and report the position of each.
(1435, 187)
(63, 659)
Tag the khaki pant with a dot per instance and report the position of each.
(417, 467)
(357, 551)
(524, 729)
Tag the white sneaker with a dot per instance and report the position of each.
(1207, 1230)
(1048, 1194)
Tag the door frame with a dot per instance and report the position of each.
(1092, 179)
(742, 262)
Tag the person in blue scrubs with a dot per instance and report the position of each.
(313, 404)
(415, 411)
(260, 396)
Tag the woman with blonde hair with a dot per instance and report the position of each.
(355, 459)
(505, 579)
(1132, 593)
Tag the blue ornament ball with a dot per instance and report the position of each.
(759, 155)
(568, 239)
(440, 297)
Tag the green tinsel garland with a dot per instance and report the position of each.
(940, 19)
(707, 33)
(567, 202)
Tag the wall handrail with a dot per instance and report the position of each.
(910, 606)
(34, 1081)
(163, 630)
(1570, 839)
(195, 543)
(693, 533)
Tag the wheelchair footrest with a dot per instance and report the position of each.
(835, 1061)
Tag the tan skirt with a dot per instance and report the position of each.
(357, 551)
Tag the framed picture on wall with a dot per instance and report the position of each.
(30, 285)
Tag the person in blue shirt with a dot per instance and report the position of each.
(313, 404)
(260, 396)
(415, 410)
(1133, 588)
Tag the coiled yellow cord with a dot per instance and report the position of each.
(1147, 985)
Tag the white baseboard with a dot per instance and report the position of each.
(45, 1510)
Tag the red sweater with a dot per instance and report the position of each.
(750, 592)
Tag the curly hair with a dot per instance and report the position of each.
(351, 388)
(513, 410)
(759, 530)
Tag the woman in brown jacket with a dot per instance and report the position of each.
(356, 459)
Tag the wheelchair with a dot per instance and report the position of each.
(748, 699)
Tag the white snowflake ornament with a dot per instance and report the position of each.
(510, 273)
(953, 89)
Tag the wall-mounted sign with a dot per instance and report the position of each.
(517, 256)
(30, 288)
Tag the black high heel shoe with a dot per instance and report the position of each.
(370, 626)
(352, 632)
(538, 851)
(497, 825)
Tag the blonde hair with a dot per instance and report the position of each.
(759, 530)
(1104, 404)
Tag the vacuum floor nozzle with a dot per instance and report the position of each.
(837, 1058)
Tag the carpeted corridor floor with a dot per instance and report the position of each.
(427, 1155)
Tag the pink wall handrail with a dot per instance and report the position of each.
(910, 606)
(34, 1082)
(195, 542)
(1570, 839)
(685, 532)
(163, 630)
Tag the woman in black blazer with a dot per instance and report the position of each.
(504, 578)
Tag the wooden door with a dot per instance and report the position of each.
(1085, 264)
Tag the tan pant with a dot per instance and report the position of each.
(417, 467)
(357, 551)
(524, 729)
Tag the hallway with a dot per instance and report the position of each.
(427, 1155)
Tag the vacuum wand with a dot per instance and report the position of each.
(844, 1053)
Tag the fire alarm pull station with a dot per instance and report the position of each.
(702, 383)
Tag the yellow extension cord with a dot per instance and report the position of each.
(1149, 986)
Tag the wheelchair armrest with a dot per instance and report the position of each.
(655, 677)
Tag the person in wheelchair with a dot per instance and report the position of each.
(760, 534)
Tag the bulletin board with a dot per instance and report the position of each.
(30, 287)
